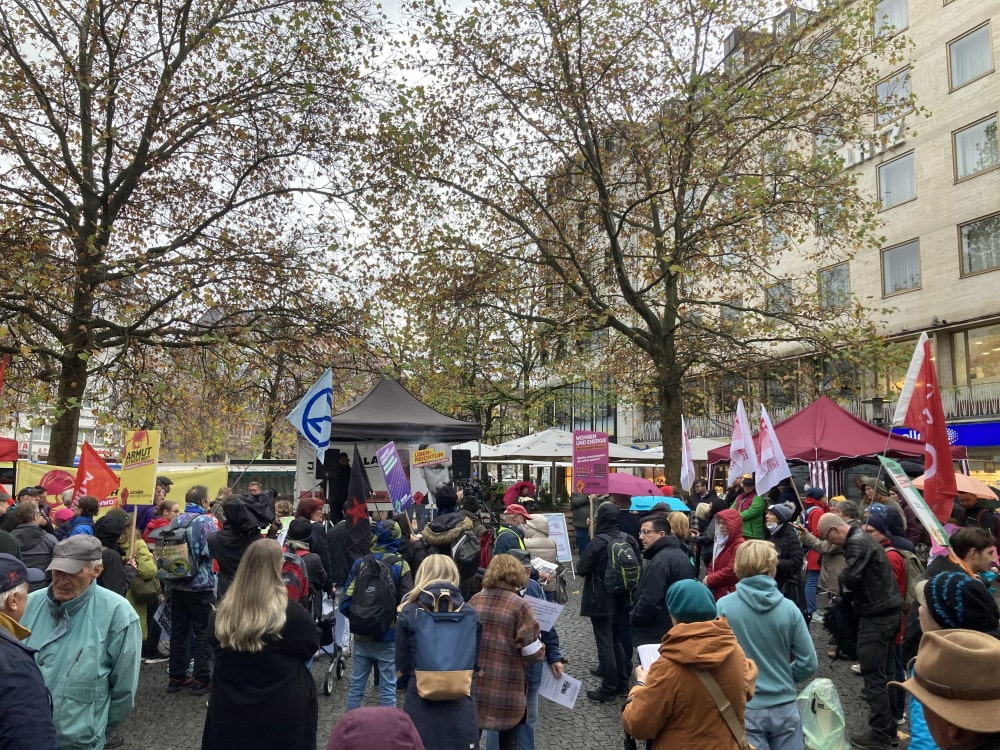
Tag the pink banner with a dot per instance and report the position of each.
(590, 462)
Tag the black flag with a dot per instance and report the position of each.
(359, 528)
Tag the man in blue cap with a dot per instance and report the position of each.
(26, 719)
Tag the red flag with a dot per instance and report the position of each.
(93, 476)
(920, 408)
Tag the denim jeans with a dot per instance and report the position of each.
(189, 611)
(367, 655)
(582, 540)
(812, 587)
(776, 727)
(877, 657)
(506, 739)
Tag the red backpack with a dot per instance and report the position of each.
(296, 577)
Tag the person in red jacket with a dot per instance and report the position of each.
(167, 512)
(721, 578)
(815, 506)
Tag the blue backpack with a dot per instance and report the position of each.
(445, 649)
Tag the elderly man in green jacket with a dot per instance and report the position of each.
(88, 642)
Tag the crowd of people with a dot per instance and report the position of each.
(722, 596)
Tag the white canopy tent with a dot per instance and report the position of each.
(556, 445)
(700, 447)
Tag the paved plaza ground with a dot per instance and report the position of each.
(174, 721)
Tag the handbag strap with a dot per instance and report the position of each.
(725, 707)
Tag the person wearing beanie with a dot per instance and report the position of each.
(375, 726)
(949, 600)
(790, 553)
(669, 704)
(377, 651)
(297, 541)
(441, 533)
(883, 518)
(772, 632)
(751, 508)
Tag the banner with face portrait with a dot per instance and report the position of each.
(430, 470)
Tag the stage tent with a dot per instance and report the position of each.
(390, 412)
(828, 438)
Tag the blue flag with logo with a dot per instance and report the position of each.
(313, 414)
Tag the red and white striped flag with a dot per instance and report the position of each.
(920, 408)
(742, 455)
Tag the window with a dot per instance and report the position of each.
(896, 181)
(729, 314)
(980, 244)
(835, 286)
(893, 97)
(901, 268)
(970, 56)
(976, 148)
(778, 298)
(890, 16)
(976, 355)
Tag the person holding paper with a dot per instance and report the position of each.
(669, 704)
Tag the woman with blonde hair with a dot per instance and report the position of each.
(262, 694)
(436, 588)
(510, 642)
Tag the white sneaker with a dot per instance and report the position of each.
(856, 668)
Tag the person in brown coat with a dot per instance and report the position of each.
(511, 640)
(668, 704)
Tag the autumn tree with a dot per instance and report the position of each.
(663, 172)
(160, 158)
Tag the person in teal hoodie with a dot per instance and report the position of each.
(773, 633)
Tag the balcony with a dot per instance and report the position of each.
(980, 401)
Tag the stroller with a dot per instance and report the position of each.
(333, 642)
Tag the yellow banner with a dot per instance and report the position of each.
(142, 452)
(55, 479)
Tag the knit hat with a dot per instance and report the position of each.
(690, 601)
(955, 600)
(782, 512)
(63, 515)
(878, 518)
(446, 499)
(816, 493)
(375, 726)
(300, 530)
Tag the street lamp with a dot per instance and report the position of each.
(878, 410)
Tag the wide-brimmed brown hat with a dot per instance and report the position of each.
(955, 676)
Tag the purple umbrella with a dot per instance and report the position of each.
(631, 485)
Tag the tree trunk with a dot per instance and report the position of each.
(72, 385)
(668, 388)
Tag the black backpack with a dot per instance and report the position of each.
(375, 597)
(465, 552)
(621, 574)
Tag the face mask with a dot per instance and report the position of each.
(773, 526)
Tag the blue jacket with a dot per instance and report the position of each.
(81, 525)
(772, 632)
(202, 526)
(88, 652)
(26, 718)
(400, 572)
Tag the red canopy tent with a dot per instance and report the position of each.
(8, 449)
(827, 437)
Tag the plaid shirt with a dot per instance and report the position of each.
(510, 642)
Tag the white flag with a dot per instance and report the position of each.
(312, 416)
(742, 456)
(772, 467)
(687, 460)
